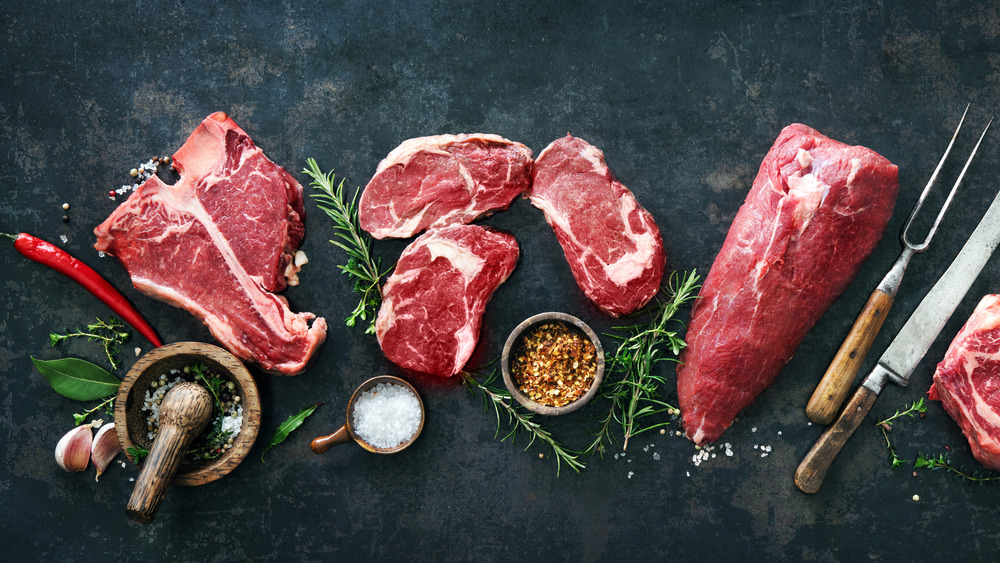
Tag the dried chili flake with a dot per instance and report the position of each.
(554, 364)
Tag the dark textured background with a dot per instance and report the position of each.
(684, 98)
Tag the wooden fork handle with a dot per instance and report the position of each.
(811, 472)
(836, 382)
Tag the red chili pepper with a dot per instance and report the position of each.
(59, 260)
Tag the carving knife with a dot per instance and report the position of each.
(908, 348)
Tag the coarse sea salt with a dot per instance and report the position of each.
(386, 415)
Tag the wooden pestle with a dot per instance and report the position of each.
(184, 413)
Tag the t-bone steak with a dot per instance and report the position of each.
(815, 212)
(967, 381)
(433, 303)
(612, 244)
(432, 182)
(219, 242)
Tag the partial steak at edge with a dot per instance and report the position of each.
(433, 182)
(967, 381)
(612, 244)
(433, 303)
(218, 242)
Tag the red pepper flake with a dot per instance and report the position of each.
(554, 364)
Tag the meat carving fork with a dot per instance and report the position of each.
(908, 348)
(832, 389)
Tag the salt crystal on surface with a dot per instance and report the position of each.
(656, 456)
(630, 474)
(386, 415)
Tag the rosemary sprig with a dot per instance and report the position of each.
(941, 462)
(886, 426)
(111, 334)
(633, 390)
(362, 267)
(518, 419)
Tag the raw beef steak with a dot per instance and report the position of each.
(431, 182)
(612, 244)
(815, 212)
(219, 242)
(967, 381)
(433, 303)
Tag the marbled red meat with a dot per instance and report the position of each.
(611, 243)
(433, 302)
(219, 242)
(815, 212)
(967, 381)
(443, 180)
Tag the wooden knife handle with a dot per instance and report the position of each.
(811, 472)
(836, 382)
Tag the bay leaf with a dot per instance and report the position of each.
(78, 379)
(289, 425)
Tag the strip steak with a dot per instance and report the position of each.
(612, 244)
(432, 182)
(815, 212)
(219, 242)
(967, 381)
(433, 303)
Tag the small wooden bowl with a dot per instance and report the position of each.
(130, 424)
(513, 340)
(346, 432)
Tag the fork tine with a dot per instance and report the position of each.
(923, 195)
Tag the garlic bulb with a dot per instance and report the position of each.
(73, 449)
(105, 447)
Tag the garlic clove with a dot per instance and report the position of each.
(105, 447)
(73, 449)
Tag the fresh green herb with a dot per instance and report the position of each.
(941, 462)
(111, 334)
(362, 267)
(289, 425)
(518, 419)
(632, 385)
(107, 405)
(138, 454)
(886, 426)
(212, 382)
(78, 379)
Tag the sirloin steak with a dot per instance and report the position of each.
(433, 303)
(612, 244)
(815, 212)
(431, 182)
(967, 381)
(219, 242)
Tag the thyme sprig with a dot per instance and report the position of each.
(108, 405)
(111, 334)
(633, 390)
(362, 267)
(519, 420)
(885, 426)
(941, 461)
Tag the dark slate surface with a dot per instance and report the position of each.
(684, 98)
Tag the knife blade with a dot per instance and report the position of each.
(903, 355)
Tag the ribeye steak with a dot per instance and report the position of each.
(433, 303)
(967, 381)
(612, 243)
(443, 180)
(815, 212)
(219, 242)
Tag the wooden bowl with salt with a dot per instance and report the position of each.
(130, 421)
(348, 432)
